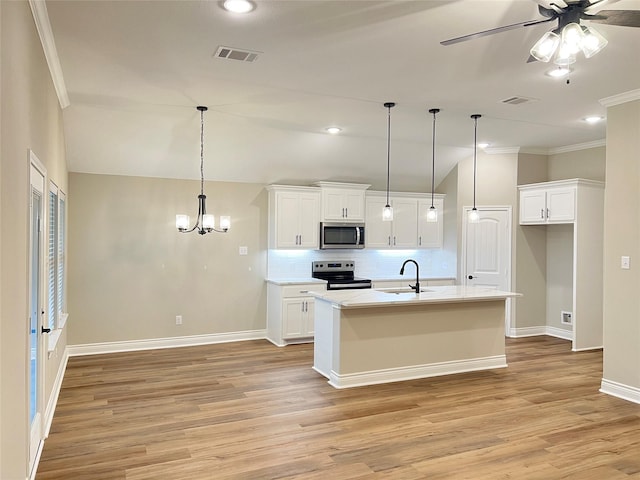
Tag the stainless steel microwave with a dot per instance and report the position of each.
(341, 235)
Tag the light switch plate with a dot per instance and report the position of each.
(625, 262)
(243, 251)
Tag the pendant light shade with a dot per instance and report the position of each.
(474, 216)
(387, 211)
(432, 214)
(205, 223)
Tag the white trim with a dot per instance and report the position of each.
(625, 392)
(541, 330)
(559, 333)
(417, 371)
(41, 18)
(170, 342)
(501, 150)
(55, 393)
(578, 147)
(621, 98)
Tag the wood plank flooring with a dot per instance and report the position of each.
(250, 410)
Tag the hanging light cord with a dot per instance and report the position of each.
(433, 154)
(475, 150)
(388, 105)
(201, 151)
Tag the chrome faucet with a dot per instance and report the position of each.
(415, 287)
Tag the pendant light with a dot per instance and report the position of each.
(474, 216)
(387, 211)
(432, 214)
(205, 222)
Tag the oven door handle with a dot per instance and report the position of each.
(357, 235)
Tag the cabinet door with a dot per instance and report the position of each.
(533, 206)
(561, 205)
(309, 220)
(354, 205)
(293, 318)
(309, 311)
(405, 223)
(430, 234)
(377, 231)
(287, 219)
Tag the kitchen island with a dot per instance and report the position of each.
(372, 336)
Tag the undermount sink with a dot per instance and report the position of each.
(398, 290)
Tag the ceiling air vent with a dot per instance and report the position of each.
(231, 53)
(518, 100)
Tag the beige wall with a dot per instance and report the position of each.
(588, 163)
(449, 186)
(131, 272)
(31, 119)
(622, 237)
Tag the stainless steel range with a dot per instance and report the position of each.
(339, 274)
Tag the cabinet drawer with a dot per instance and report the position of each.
(294, 291)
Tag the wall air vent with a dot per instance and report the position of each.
(231, 53)
(518, 100)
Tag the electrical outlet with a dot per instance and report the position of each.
(625, 262)
(178, 319)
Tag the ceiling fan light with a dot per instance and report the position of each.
(544, 48)
(564, 56)
(571, 38)
(592, 42)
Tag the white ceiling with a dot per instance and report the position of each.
(135, 71)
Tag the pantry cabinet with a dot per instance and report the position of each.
(571, 252)
(342, 202)
(294, 217)
(290, 312)
(409, 228)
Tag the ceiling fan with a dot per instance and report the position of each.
(568, 15)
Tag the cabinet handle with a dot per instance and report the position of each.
(548, 215)
(346, 213)
(420, 241)
(394, 240)
(389, 243)
(542, 213)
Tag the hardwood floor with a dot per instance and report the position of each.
(250, 410)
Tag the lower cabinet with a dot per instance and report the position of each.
(290, 313)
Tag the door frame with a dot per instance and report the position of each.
(509, 315)
(36, 435)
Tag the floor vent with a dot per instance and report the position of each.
(231, 53)
(518, 100)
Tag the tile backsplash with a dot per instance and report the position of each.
(369, 263)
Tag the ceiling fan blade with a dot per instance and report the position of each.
(623, 18)
(494, 31)
(597, 4)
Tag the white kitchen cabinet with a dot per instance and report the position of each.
(573, 267)
(294, 217)
(545, 203)
(342, 202)
(407, 230)
(430, 234)
(290, 312)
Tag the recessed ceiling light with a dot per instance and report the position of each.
(238, 6)
(333, 130)
(593, 119)
(559, 72)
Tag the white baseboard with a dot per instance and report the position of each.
(171, 342)
(55, 393)
(414, 372)
(625, 392)
(542, 330)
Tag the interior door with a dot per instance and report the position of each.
(487, 251)
(36, 307)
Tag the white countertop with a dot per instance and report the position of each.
(378, 298)
(305, 280)
(295, 281)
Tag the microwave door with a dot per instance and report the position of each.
(342, 236)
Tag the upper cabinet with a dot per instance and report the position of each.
(409, 228)
(550, 202)
(342, 202)
(294, 217)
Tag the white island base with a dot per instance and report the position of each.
(378, 338)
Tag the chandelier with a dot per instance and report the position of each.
(205, 222)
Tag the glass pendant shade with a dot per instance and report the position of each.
(225, 223)
(571, 38)
(182, 222)
(474, 216)
(592, 42)
(432, 215)
(387, 213)
(208, 222)
(564, 57)
(544, 48)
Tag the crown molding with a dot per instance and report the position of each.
(501, 150)
(41, 17)
(578, 146)
(621, 98)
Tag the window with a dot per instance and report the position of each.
(56, 257)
